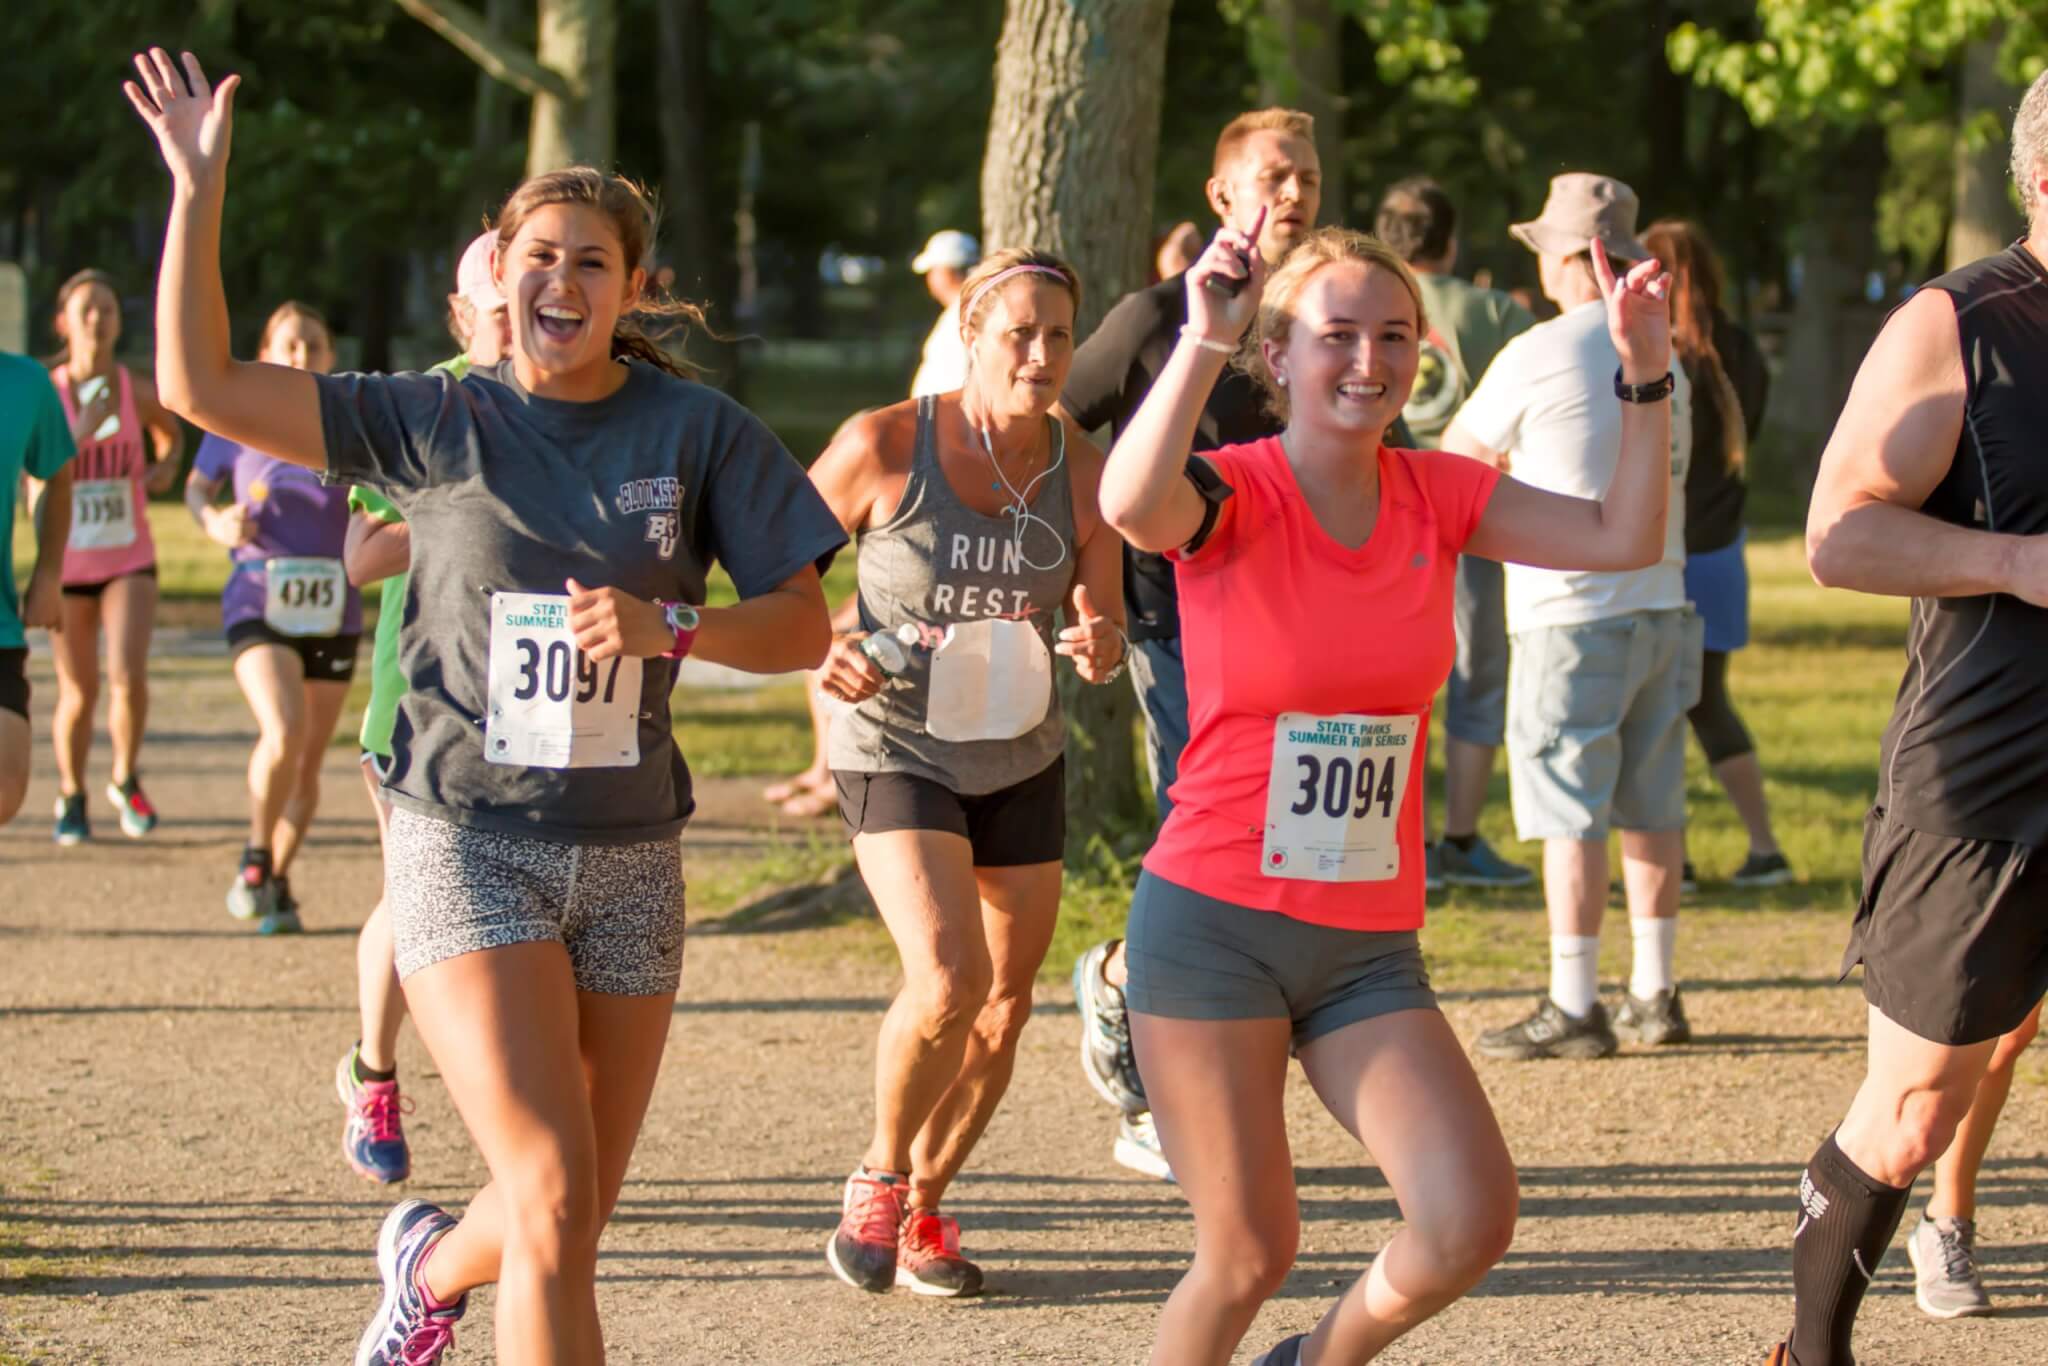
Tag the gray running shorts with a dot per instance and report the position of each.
(1193, 957)
(617, 908)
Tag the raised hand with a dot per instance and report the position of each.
(1225, 282)
(1092, 642)
(192, 121)
(1638, 316)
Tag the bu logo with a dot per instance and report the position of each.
(665, 529)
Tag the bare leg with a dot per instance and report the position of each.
(76, 652)
(1467, 770)
(1575, 884)
(1217, 1088)
(1019, 907)
(1955, 1172)
(923, 882)
(1651, 861)
(272, 679)
(817, 778)
(130, 614)
(553, 1085)
(322, 709)
(14, 742)
(1401, 1084)
(1742, 778)
(378, 998)
(1914, 1095)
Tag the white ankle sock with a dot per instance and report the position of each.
(1655, 938)
(1575, 972)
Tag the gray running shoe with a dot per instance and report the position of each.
(1106, 1057)
(1945, 1280)
(1550, 1033)
(1479, 866)
(1137, 1147)
(1763, 870)
(1658, 1020)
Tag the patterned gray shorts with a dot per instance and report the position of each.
(617, 908)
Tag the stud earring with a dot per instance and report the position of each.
(1281, 380)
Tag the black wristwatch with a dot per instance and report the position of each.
(1656, 391)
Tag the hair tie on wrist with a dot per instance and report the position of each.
(1221, 348)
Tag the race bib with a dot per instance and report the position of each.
(304, 595)
(550, 705)
(102, 514)
(1333, 799)
(991, 680)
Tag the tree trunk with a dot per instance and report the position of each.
(1985, 220)
(1307, 73)
(578, 39)
(1829, 329)
(490, 129)
(1072, 140)
(690, 241)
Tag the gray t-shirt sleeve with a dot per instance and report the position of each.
(761, 516)
(382, 430)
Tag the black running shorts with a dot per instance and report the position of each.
(1952, 933)
(1020, 824)
(14, 680)
(327, 659)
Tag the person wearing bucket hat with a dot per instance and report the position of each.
(944, 263)
(379, 547)
(1604, 665)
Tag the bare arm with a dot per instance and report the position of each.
(166, 437)
(1094, 635)
(229, 526)
(375, 549)
(1891, 447)
(272, 408)
(42, 603)
(1145, 495)
(1625, 529)
(783, 629)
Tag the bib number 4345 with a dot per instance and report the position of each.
(1334, 796)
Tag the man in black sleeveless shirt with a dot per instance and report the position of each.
(1934, 486)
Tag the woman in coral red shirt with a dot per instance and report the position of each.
(1278, 910)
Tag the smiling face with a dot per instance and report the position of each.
(1351, 349)
(91, 319)
(299, 342)
(567, 280)
(1023, 346)
(1276, 170)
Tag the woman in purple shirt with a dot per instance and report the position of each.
(292, 622)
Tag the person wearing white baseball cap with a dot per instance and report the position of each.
(944, 263)
(379, 546)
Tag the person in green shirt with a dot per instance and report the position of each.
(1468, 326)
(379, 547)
(35, 440)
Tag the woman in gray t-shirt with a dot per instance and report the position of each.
(977, 521)
(566, 509)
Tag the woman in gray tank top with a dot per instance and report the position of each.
(976, 517)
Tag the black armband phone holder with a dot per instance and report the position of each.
(1214, 491)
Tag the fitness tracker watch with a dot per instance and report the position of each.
(684, 620)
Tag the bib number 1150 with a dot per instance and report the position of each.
(1334, 796)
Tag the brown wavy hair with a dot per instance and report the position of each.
(1685, 252)
(658, 316)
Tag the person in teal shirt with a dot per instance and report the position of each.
(35, 440)
(380, 547)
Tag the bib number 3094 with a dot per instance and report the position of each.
(551, 705)
(1334, 796)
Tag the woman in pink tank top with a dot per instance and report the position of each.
(128, 449)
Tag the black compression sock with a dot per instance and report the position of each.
(1462, 843)
(253, 857)
(1846, 1221)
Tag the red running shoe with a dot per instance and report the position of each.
(862, 1249)
(929, 1261)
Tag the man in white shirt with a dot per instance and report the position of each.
(944, 263)
(1605, 665)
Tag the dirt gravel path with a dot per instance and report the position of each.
(171, 1189)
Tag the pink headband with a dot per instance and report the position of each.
(967, 309)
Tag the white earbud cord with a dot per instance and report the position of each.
(1020, 503)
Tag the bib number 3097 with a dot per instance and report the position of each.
(1334, 796)
(551, 705)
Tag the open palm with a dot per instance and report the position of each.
(192, 121)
